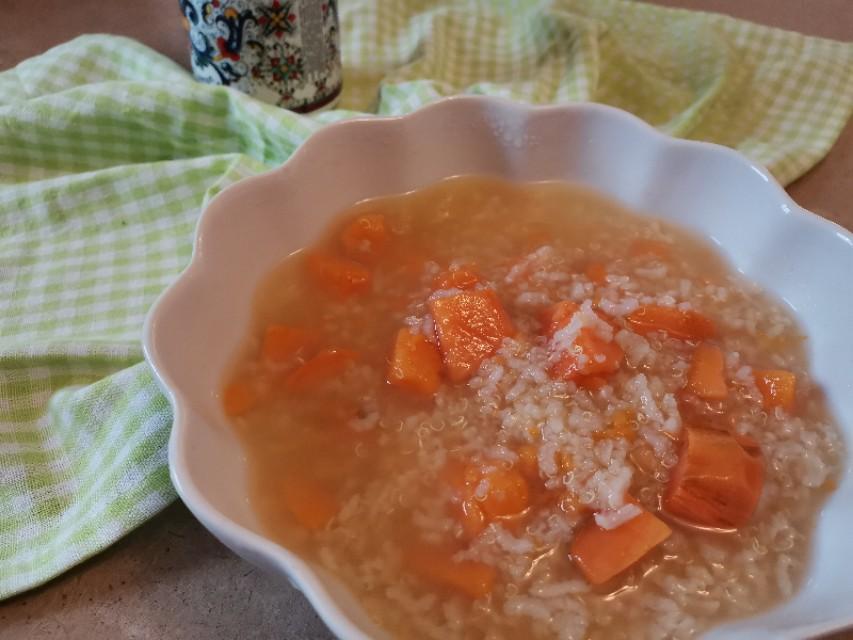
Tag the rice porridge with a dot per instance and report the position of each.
(502, 410)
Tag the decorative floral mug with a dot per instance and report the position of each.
(285, 52)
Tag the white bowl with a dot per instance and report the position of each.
(194, 329)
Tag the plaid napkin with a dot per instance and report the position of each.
(108, 151)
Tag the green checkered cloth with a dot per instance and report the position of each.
(108, 151)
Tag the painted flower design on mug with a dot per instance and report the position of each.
(282, 63)
(277, 19)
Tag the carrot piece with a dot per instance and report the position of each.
(282, 342)
(717, 481)
(603, 553)
(415, 363)
(366, 237)
(596, 272)
(339, 276)
(310, 503)
(707, 377)
(645, 247)
(463, 277)
(470, 327)
(507, 492)
(778, 387)
(677, 323)
(238, 398)
(325, 365)
(589, 355)
(557, 316)
(436, 565)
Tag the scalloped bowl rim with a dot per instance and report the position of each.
(261, 550)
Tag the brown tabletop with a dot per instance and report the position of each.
(172, 579)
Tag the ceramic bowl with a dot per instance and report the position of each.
(193, 331)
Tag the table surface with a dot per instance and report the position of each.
(172, 579)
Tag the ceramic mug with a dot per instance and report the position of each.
(285, 52)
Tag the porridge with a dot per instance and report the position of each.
(501, 410)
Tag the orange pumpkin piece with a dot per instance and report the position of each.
(322, 367)
(677, 323)
(528, 461)
(590, 383)
(436, 566)
(463, 277)
(646, 247)
(339, 276)
(557, 316)
(717, 481)
(750, 444)
(603, 553)
(596, 272)
(621, 426)
(282, 342)
(238, 398)
(472, 518)
(778, 387)
(470, 327)
(507, 492)
(415, 363)
(589, 355)
(311, 504)
(366, 237)
(565, 461)
(707, 378)
(459, 477)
